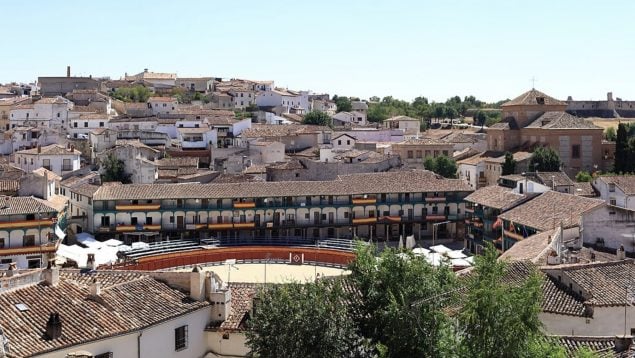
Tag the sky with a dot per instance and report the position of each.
(405, 49)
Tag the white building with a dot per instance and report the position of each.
(197, 138)
(264, 152)
(163, 105)
(27, 229)
(242, 97)
(617, 190)
(138, 160)
(410, 126)
(117, 313)
(79, 190)
(56, 158)
(285, 98)
(81, 123)
(349, 119)
(50, 112)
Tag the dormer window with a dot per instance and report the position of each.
(540, 100)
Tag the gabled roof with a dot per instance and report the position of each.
(561, 120)
(550, 209)
(401, 118)
(532, 97)
(23, 205)
(626, 183)
(344, 135)
(53, 149)
(495, 196)
(551, 179)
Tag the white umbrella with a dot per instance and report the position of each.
(410, 242)
(420, 251)
(400, 242)
(442, 249)
(456, 254)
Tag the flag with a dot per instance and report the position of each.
(498, 223)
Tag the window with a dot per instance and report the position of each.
(171, 220)
(613, 202)
(410, 154)
(339, 142)
(419, 155)
(28, 240)
(180, 338)
(348, 142)
(575, 151)
(74, 124)
(101, 124)
(612, 187)
(58, 115)
(85, 124)
(133, 220)
(1, 243)
(148, 220)
(105, 221)
(66, 165)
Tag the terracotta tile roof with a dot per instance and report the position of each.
(531, 248)
(549, 209)
(556, 298)
(166, 163)
(43, 172)
(585, 189)
(128, 302)
(424, 141)
(531, 98)
(53, 149)
(280, 130)
(241, 304)
(626, 183)
(495, 196)
(52, 100)
(603, 346)
(559, 178)
(16, 205)
(388, 182)
(161, 99)
(561, 120)
(236, 178)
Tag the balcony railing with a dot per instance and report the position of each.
(26, 224)
(435, 199)
(244, 205)
(435, 217)
(137, 207)
(364, 221)
(360, 201)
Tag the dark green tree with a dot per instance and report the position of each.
(442, 165)
(343, 103)
(317, 118)
(621, 149)
(401, 303)
(610, 134)
(499, 319)
(583, 176)
(132, 94)
(114, 170)
(480, 118)
(545, 159)
(304, 320)
(509, 166)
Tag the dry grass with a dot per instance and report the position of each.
(610, 122)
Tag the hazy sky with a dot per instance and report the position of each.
(489, 49)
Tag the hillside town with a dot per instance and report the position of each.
(133, 208)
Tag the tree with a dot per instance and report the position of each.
(621, 149)
(304, 320)
(132, 94)
(442, 165)
(343, 104)
(114, 170)
(317, 118)
(583, 177)
(609, 134)
(399, 308)
(545, 159)
(480, 118)
(509, 166)
(499, 319)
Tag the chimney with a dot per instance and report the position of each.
(197, 284)
(68, 71)
(91, 263)
(621, 253)
(13, 269)
(95, 288)
(54, 326)
(51, 274)
(623, 343)
(221, 304)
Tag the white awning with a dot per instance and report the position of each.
(59, 232)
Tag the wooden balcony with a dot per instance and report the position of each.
(513, 235)
(152, 227)
(365, 221)
(29, 250)
(26, 224)
(364, 201)
(244, 205)
(394, 219)
(244, 225)
(221, 226)
(137, 207)
(126, 228)
(195, 226)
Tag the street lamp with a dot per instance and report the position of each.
(434, 230)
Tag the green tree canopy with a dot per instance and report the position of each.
(509, 166)
(610, 134)
(132, 94)
(545, 159)
(442, 165)
(343, 103)
(304, 320)
(621, 149)
(583, 176)
(114, 170)
(318, 118)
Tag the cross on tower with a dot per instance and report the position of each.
(533, 83)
